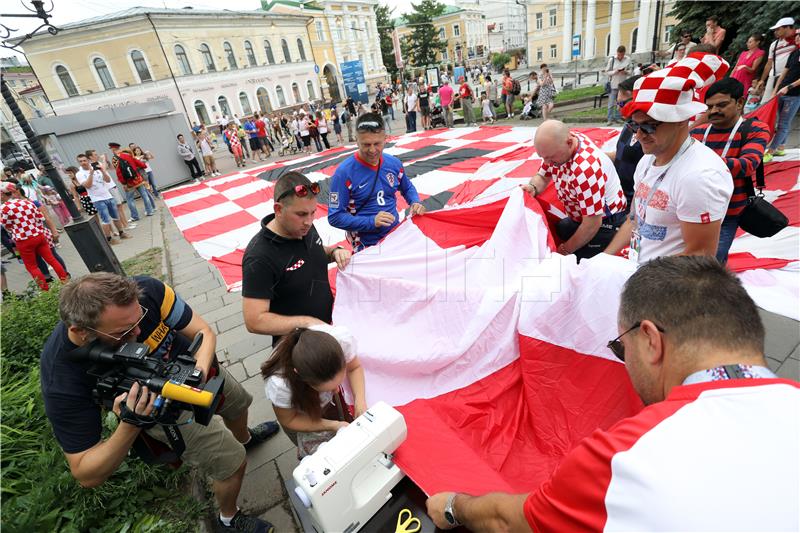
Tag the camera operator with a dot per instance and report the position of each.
(113, 310)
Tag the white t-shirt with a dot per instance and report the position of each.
(277, 388)
(99, 189)
(697, 188)
(411, 102)
(781, 55)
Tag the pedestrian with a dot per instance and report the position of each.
(412, 106)
(486, 109)
(81, 197)
(628, 151)
(446, 101)
(52, 199)
(322, 128)
(94, 178)
(206, 148)
(389, 103)
(105, 167)
(313, 131)
(186, 153)
(232, 136)
(749, 61)
(466, 96)
(145, 156)
(244, 141)
(788, 103)
(129, 173)
(490, 90)
(777, 55)
(252, 138)
(263, 138)
(715, 34)
(679, 50)
(348, 119)
(508, 93)
(617, 71)
(547, 92)
(337, 125)
(424, 98)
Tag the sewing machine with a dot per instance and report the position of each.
(350, 477)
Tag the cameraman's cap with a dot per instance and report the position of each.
(785, 21)
(6, 187)
(114, 145)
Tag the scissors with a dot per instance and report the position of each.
(409, 524)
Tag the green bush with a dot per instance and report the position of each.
(37, 489)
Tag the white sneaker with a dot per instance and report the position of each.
(133, 225)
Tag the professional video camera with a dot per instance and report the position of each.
(177, 382)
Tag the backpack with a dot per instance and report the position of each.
(130, 177)
(515, 87)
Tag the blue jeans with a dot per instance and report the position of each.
(411, 121)
(149, 203)
(726, 234)
(787, 110)
(613, 108)
(152, 183)
(107, 209)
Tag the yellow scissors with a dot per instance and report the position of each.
(408, 524)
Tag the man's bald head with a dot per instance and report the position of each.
(553, 142)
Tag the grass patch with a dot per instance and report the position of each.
(147, 263)
(581, 92)
(599, 113)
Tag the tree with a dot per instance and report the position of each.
(740, 20)
(383, 16)
(499, 61)
(425, 43)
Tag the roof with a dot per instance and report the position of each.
(29, 90)
(448, 10)
(267, 5)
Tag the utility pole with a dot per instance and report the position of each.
(524, 3)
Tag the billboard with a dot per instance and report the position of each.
(355, 85)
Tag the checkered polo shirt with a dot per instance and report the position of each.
(582, 184)
(22, 219)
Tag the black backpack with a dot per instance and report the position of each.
(515, 87)
(129, 174)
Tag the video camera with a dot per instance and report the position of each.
(177, 382)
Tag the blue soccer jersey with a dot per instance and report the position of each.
(354, 201)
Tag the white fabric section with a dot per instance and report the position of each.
(741, 442)
(783, 245)
(246, 189)
(499, 189)
(225, 179)
(226, 243)
(190, 197)
(195, 218)
(436, 181)
(495, 169)
(316, 176)
(461, 303)
(776, 290)
(503, 151)
(453, 143)
(328, 233)
(516, 135)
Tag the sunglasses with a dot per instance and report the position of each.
(618, 348)
(125, 334)
(301, 191)
(371, 126)
(647, 129)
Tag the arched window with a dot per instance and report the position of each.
(634, 36)
(251, 56)
(286, 55)
(310, 88)
(66, 80)
(226, 46)
(202, 113)
(608, 45)
(296, 92)
(141, 66)
(268, 51)
(224, 108)
(281, 97)
(103, 73)
(208, 58)
(183, 60)
(301, 49)
(245, 101)
(263, 100)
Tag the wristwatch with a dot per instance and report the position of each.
(449, 513)
(533, 186)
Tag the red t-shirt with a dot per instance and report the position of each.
(465, 91)
(262, 129)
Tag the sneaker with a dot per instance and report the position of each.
(149, 214)
(133, 225)
(243, 522)
(125, 236)
(261, 433)
(780, 152)
(768, 157)
(610, 123)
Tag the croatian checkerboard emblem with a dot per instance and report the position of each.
(390, 178)
(296, 265)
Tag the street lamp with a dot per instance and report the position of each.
(524, 4)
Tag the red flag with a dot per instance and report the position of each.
(766, 113)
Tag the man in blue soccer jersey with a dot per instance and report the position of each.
(362, 199)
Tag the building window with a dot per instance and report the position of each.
(263, 100)
(202, 113)
(268, 51)
(608, 45)
(456, 30)
(553, 51)
(103, 73)
(553, 18)
(366, 30)
(445, 56)
(281, 97)
(374, 63)
(441, 34)
(353, 31)
(339, 30)
(228, 49)
(251, 55)
(539, 23)
(245, 102)
(301, 49)
(66, 80)
(141, 66)
(668, 33)
(320, 31)
(539, 54)
(224, 108)
(634, 36)
(310, 89)
(208, 58)
(183, 60)
(287, 57)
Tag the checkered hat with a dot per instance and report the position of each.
(6, 187)
(668, 95)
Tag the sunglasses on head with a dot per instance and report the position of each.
(301, 191)
(618, 348)
(371, 126)
(647, 128)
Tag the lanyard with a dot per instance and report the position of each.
(737, 371)
(643, 214)
(730, 138)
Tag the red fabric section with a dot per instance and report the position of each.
(521, 153)
(467, 166)
(219, 226)
(513, 427)
(739, 262)
(233, 183)
(766, 113)
(174, 193)
(527, 169)
(599, 136)
(781, 175)
(486, 133)
(469, 227)
(468, 190)
(256, 198)
(196, 205)
(230, 266)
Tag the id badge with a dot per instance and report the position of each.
(636, 243)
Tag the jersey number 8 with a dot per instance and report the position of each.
(380, 199)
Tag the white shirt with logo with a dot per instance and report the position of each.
(99, 190)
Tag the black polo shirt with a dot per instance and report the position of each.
(291, 273)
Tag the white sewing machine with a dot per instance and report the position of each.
(349, 478)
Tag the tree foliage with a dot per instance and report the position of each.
(383, 16)
(740, 20)
(499, 61)
(424, 42)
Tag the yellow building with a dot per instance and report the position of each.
(602, 26)
(463, 30)
(31, 100)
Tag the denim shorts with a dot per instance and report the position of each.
(107, 210)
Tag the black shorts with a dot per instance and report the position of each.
(425, 111)
(255, 143)
(306, 140)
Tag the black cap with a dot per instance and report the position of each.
(114, 145)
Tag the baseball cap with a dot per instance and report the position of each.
(785, 21)
(6, 187)
(114, 145)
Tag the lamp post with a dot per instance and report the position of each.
(524, 4)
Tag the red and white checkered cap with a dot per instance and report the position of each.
(6, 187)
(668, 95)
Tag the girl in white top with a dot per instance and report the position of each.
(301, 377)
(486, 107)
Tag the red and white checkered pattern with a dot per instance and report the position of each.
(668, 95)
(583, 186)
(22, 219)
